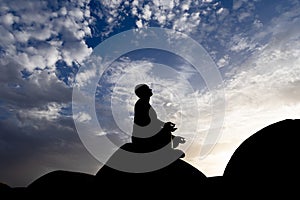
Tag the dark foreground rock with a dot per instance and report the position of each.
(266, 163)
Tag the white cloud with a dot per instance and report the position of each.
(257, 23)
(112, 7)
(36, 91)
(135, 3)
(220, 10)
(49, 113)
(55, 32)
(237, 4)
(187, 23)
(84, 77)
(139, 23)
(185, 7)
(174, 13)
(240, 43)
(89, 71)
(223, 61)
(147, 12)
(8, 19)
(83, 117)
(75, 52)
(101, 133)
(243, 16)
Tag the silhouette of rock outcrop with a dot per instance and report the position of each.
(168, 175)
(4, 188)
(264, 163)
(62, 182)
(267, 158)
(74, 183)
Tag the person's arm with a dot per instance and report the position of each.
(177, 140)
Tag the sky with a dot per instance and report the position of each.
(47, 48)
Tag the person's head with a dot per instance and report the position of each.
(143, 91)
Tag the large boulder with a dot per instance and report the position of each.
(171, 175)
(267, 158)
(178, 174)
(62, 182)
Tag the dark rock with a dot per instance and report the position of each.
(267, 160)
(267, 163)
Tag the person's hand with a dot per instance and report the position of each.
(178, 140)
(170, 126)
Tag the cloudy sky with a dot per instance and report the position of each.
(45, 45)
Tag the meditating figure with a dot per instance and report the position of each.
(149, 132)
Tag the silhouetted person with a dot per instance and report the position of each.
(148, 131)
